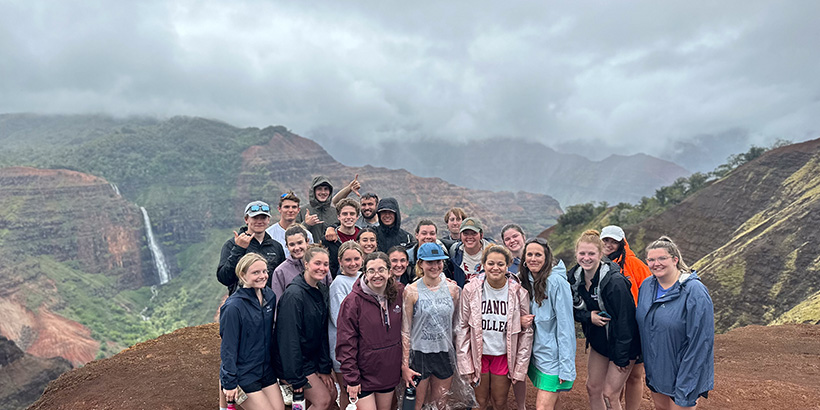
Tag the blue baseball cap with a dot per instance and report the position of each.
(431, 252)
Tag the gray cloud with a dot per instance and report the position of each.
(587, 77)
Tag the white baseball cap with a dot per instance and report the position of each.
(614, 232)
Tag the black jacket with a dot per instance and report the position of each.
(390, 236)
(619, 340)
(271, 250)
(301, 331)
(248, 350)
(324, 210)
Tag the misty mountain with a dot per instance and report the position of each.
(516, 165)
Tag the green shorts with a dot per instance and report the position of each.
(547, 382)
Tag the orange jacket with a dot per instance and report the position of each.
(633, 268)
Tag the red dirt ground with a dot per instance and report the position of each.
(756, 367)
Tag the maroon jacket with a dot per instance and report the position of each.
(369, 351)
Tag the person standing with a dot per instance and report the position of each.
(319, 213)
(248, 348)
(369, 216)
(251, 238)
(676, 320)
(552, 367)
(294, 265)
(452, 220)
(513, 237)
(616, 248)
(493, 349)
(347, 210)
(301, 331)
(288, 211)
(369, 343)
(603, 304)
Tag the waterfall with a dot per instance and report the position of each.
(156, 252)
(114, 187)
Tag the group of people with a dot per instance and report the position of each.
(337, 295)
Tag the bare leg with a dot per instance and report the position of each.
(384, 400)
(596, 377)
(614, 384)
(269, 398)
(520, 392)
(634, 387)
(482, 391)
(319, 395)
(439, 389)
(664, 402)
(499, 389)
(421, 392)
(546, 400)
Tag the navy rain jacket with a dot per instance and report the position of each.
(248, 350)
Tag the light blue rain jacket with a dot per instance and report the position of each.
(678, 338)
(553, 346)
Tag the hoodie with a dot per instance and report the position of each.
(678, 335)
(392, 235)
(324, 210)
(632, 268)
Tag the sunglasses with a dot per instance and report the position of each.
(257, 208)
(539, 240)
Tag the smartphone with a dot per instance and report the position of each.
(240, 396)
(604, 314)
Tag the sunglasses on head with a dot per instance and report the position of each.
(257, 208)
(539, 240)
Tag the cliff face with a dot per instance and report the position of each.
(23, 377)
(754, 238)
(54, 223)
(290, 162)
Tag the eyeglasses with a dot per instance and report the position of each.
(372, 271)
(257, 208)
(660, 259)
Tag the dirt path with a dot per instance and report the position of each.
(756, 368)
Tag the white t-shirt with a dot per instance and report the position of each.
(494, 319)
(469, 263)
(278, 234)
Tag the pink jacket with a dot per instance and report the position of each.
(469, 340)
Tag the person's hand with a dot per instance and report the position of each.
(242, 240)
(330, 234)
(311, 219)
(623, 369)
(526, 321)
(230, 395)
(560, 381)
(353, 392)
(407, 375)
(329, 383)
(355, 186)
(598, 320)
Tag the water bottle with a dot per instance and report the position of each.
(298, 401)
(409, 402)
(231, 405)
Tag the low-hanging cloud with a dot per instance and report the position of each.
(611, 76)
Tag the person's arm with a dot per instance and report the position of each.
(229, 330)
(464, 353)
(525, 336)
(622, 325)
(410, 297)
(560, 296)
(699, 351)
(353, 186)
(228, 258)
(337, 295)
(289, 336)
(323, 362)
(347, 342)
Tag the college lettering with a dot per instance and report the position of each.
(493, 325)
(494, 307)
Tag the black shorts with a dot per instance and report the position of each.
(436, 364)
(363, 393)
(267, 380)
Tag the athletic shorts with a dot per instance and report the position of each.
(268, 379)
(436, 364)
(494, 365)
(547, 382)
(363, 393)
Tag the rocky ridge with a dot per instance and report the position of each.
(23, 376)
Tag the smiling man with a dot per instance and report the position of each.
(389, 232)
(250, 238)
(288, 211)
(369, 216)
(319, 212)
(347, 210)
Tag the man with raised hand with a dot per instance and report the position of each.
(288, 211)
(319, 213)
(250, 238)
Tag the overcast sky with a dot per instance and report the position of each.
(610, 76)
